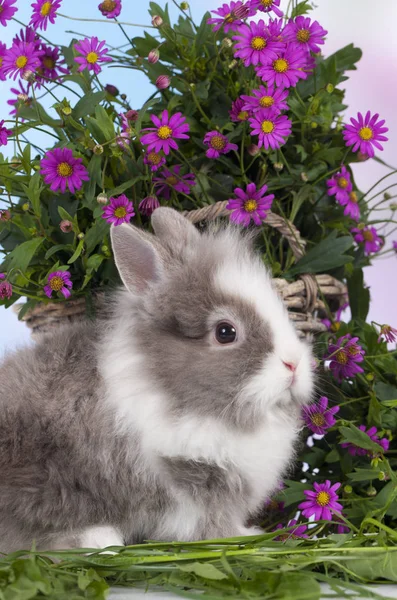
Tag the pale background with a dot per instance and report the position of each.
(372, 87)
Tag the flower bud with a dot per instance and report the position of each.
(253, 149)
(184, 5)
(123, 96)
(278, 166)
(66, 226)
(111, 89)
(5, 290)
(23, 97)
(393, 206)
(304, 176)
(5, 215)
(153, 56)
(105, 249)
(226, 43)
(233, 64)
(348, 489)
(162, 82)
(371, 491)
(362, 157)
(25, 207)
(132, 115)
(15, 162)
(29, 76)
(241, 12)
(330, 88)
(387, 196)
(102, 198)
(81, 236)
(157, 21)
(98, 149)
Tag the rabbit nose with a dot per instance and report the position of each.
(290, 366)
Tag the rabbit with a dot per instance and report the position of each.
(171, 417)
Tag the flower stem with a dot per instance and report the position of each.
(106, 21)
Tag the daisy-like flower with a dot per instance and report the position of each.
(110, 8)
(165, 131)
(364, 133)
(44, 11)
(148, 205)
(93, 52)
(217, 144)
(321, 501)
(27, 35)
(4, 134)
(61, 169)
(292, 534)
(305, 33)
(171, 179)
(3, 50)
(250, 204)
(5, 215)
(20, 58)
(154, 160)
(389, 333)
(272, 128)
(50, 65)
(372, 433)
(344, 355)
(267, 6)
(229, 16)
(119, 210)
(5, 288)
(59, 281)
(340, 185)
(352, 208)
(266, 98)
(369, 237)
(238, 112)
(286, 68)
(255, 44)
(335, 326)
(318, 417)
(7, 11)
(22, 95)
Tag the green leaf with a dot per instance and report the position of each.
(327, 255)
(364, 474)
(357, 437)
(68, 217)
(86, 105)
(33, 192)
(21, 256)
(56, 249)
(142, 112)
(299, 198)
(95, 173)
(124, 186)
(77, 252)
(206, 570)
(95, 234)
(302, 8)
(105, 122)
(358, 295)
(375, 567)
(386, 392)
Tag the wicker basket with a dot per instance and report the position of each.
(304, 297)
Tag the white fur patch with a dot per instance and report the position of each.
(100, 537)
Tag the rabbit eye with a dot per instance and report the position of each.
(225, 333)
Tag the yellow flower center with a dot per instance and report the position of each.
(108, 5)
(342, 182)
(56, 283)
(154, 158)
(48, 62)
(1, 9)
(21, 61)
(267, 126)
(366, 133)
(267, 3)
(64, 169)
(318, 419)
(120, 212)
(164, 132)
(218, 142)
(266, 101)
(323, 498)
(92, 58)
(250, 205)
(368, 236)
(280, 65)
(172, 180)
(45, 9)
(243, 115)
(1, 58)
(229, 18)
(353, 197)
(353, 350)
(303, 35)
(341, 357)
(258, 43)
(335, 326)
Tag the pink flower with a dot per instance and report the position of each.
(163, 82)
(389, 332)
(5, 288)
(59, 281)
(153, 56)
(321, 501)
(267, 6)
(305, 33)
(20, 58)
(4, 134)
(251, 204)
(229, 16)
(44, 11)
(110, 8)
(119, 210)
(93, 52)
(318, 417)
(272, 128)
(148, 205)
(217, 144)
(7, 11)
(154, 160)
(365, 133)
(369, 237)
(286, 69)
(340, 186)
(166, 130)
(171, 179)
(255, 44)
(61, 169)
(238, 113)
(268, 98)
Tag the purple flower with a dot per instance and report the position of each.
(340, 186)
(59, 281)
(293, 534)
(365, 133)
(5, 288)
(318, 417)
(21, 57)
(272, 128)
(154, 160)
(61, 169)
(352, 208)
(389, 332)
(369, 237)
(7, 11)
(171, 179)
(321, 501)
(148, 205)
(372, 434)
(44, 11)
(50, 65)
(341, 525)
(286, 69)
(123, 140)
(4, 134)
(266, 98)
(344, 356)
(119, 210)
(395, 245)
(267, 6)
(110, 8)
(23, 92)
(305, 33)
(3, 50)
(217, 144)
(93, 52)
(163, 82)
(27, 35)
(251, 204)
(166, 131)
(238, 113)
(229, 15)
(336, 324)
(255, 44)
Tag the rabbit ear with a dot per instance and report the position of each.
(137, 257)
(173, 229)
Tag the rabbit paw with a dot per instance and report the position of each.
(101, 537)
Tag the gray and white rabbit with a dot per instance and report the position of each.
(172, 419)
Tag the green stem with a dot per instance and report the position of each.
(106, 21)
(378, 182)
